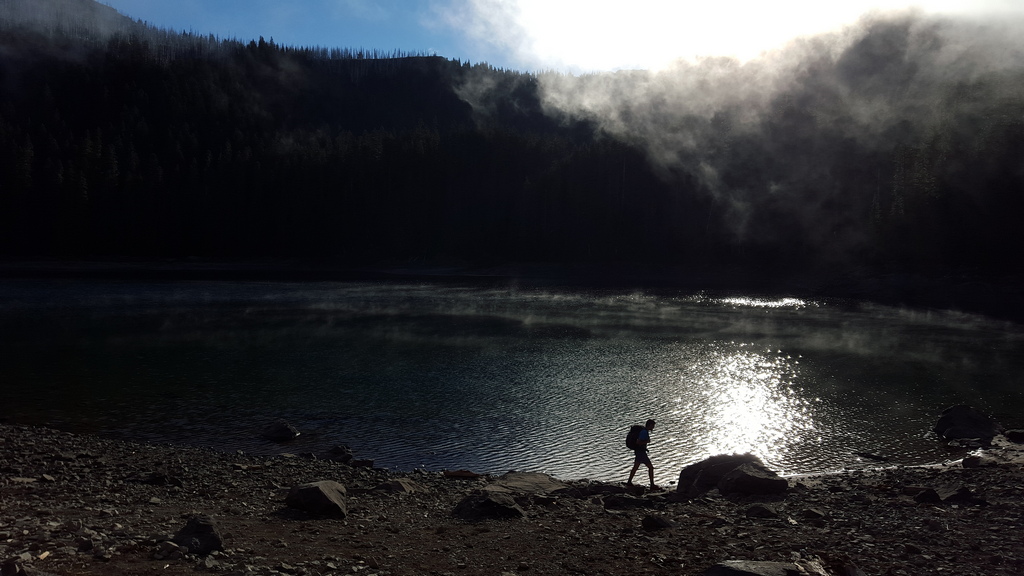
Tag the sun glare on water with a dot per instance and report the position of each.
(743, 401)
(795, 303)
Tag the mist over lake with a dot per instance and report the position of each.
(493, 378)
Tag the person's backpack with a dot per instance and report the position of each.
(634, 434)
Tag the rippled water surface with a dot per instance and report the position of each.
(441, 376)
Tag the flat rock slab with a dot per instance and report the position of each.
(402, 486)
(754, 568)
(526, 483)
(488, 505)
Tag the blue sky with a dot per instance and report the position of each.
(571, 35)
(381, 24)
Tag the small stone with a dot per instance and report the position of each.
(402, 486)
(200, 536)
(761, 511)
(751, 568)
(653, 522)
(975, 461)
(813, 513)
(863, 499)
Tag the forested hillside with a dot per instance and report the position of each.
(121, 140)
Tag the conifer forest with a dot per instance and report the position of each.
(122, 140)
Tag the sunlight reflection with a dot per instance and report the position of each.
(744, 401)
(767, 303)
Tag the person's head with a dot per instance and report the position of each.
(649, 425)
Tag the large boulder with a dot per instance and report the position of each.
(949, 495)
(323, 498)
(1016, 436)
(963, 421)
(488, 504)
(279, 431)
(699, 477)
(341, 454)
(199, 536)
(752, 478)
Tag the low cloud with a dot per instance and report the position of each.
(786, 133)
(861, 80)
(598, 35)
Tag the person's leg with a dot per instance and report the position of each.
(650, 473)
(636, 466)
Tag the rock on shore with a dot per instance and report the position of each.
(85, 505)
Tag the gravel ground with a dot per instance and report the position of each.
(72, 504)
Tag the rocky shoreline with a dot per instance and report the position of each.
(75, 505)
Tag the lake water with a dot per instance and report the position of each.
(443, 376)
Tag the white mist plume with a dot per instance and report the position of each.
(748, 130)
(717, 73)
(672, 110)
(69, 16)
(601, 35)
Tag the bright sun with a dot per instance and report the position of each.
(590, 35)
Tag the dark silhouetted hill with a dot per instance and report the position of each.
(119, 139)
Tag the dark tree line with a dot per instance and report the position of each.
(240, 150)
(147, 143)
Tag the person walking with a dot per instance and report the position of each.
(640, 454)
